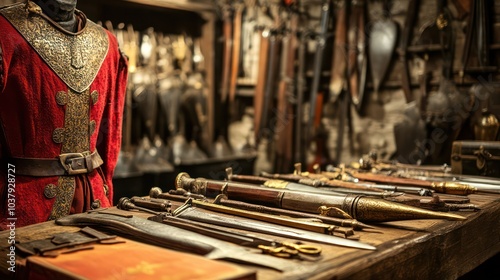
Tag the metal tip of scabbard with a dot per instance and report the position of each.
(381, 210)
(452, 217)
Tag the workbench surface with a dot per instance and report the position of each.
(423, 249)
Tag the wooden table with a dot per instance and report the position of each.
(417, 249)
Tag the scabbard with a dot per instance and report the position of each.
(173, 238)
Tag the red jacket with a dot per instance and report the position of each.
(30, 114)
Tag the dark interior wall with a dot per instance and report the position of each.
(168, 21)
(373, 126)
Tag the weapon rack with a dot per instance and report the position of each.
(195, 19)
(201, 19)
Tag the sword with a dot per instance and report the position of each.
(188, 211)
(156, 193)
(175, 238)
(278, 220)
(267, 245)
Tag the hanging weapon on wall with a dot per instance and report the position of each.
(238, 8)
(338, 68)
(261, 82)
(283, 136)
(383, 38)
(339, 83)
(478, 34)
(318, 65)
(275, 37)
(356, 62)
(301, 81)
(406, 36)
(227, 30)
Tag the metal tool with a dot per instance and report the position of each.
(283, 249)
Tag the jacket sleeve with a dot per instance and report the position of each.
(2, 80)
(109, 143)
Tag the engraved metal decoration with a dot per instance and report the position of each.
(61, 98)
(64, 197)
(58, 135)
(75, 57)
(50, 191)
(95, 97)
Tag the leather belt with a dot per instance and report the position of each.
(65, 164)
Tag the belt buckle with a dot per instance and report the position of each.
(63, 158)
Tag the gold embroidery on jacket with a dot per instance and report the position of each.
(76, 139)
(75, 58)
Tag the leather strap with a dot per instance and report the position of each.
(65, 164)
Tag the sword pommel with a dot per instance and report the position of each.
(155, 192)
(196, 186)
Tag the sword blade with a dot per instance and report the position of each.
(175, 238)
(268, 228)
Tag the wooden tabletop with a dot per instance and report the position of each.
(423, 249)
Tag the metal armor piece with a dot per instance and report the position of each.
(486, 128)
(83, 51)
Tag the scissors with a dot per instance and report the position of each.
(289, 249)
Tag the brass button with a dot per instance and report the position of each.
(62, 98)
(96, 204)
(92, 126)
(50, 191)
(106, 189)
(58, 135)
(95, 97)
